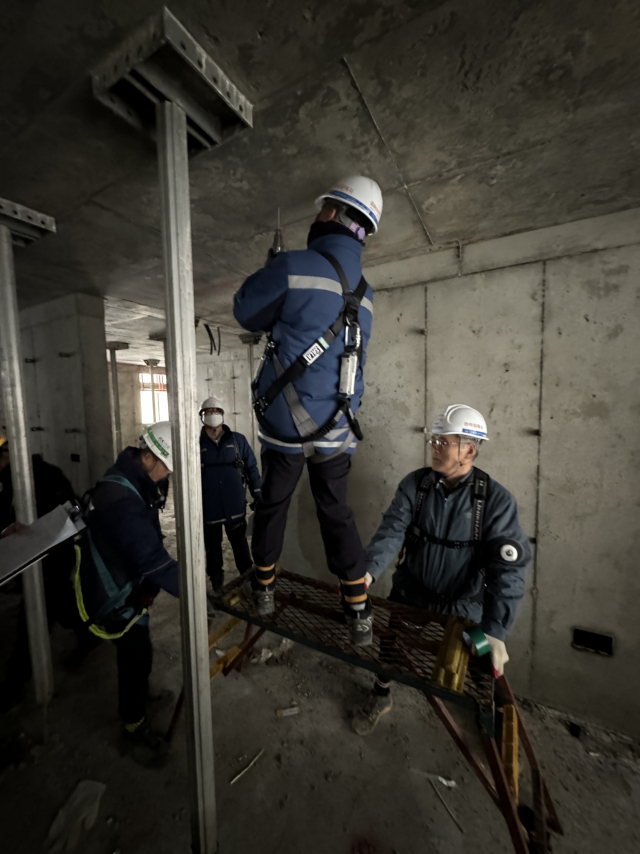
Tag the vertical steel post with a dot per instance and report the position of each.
(183, 412)
(117, 423)
(154, 413)
(21, 470)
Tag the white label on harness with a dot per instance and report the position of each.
(314, 352)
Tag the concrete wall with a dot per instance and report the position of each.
(540, 332)
(130, 409)
(67, 389)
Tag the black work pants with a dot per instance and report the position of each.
(135, 657)
(61, 608)
(328, 480)
(237, 536)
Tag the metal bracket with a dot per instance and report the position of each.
(250, 337)
(25, 224)
(161, 61)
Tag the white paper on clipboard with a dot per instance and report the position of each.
(20, 551)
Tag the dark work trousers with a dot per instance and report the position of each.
(135, 657)
(237, 536)
(328, 480)
(389, 645)
(61, 608)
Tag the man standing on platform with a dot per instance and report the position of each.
(316, 308)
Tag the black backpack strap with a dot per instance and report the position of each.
(479, 496)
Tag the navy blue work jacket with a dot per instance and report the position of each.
(492, 576)
(125, 529)
(296, 297)
(224, 497)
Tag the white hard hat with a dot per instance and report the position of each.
(212, 403)
(157, 437)
(461, 420)
(360, 193)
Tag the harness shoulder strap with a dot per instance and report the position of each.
(116, 478)
(426, 482)
(480, 494)
(239, 462)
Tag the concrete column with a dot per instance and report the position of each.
(71, 387)
(183, 409)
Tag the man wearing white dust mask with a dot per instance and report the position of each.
(228, 466)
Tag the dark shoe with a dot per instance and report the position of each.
(145, 747)
(360, 624)
(263, 598)
(217, 582)
(366, 718)
(85, 646)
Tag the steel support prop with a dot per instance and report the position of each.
(117, 423)
(183, 412)
(21, 470)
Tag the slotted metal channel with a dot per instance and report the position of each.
(406, 640)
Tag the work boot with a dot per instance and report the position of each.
(262, 595)
(146, 747)
(365, 719)
(360, 624)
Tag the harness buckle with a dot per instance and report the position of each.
(261, 403)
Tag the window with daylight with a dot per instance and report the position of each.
(156, 409)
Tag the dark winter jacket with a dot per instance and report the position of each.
(224, 496)
(52, 488)
(296, 297)
(124, 529)
(430, 570)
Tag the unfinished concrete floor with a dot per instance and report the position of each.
(317, 788)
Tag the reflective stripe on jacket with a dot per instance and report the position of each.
(296, 297)
(455, 574)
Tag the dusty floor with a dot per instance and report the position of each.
(316, 789)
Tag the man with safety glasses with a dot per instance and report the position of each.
(462, 548)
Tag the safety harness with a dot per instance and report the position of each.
(479, 498)
(309, 431)
(117, 595)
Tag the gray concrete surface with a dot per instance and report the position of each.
(501, 119)
(67, 386)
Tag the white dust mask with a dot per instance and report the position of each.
(213, 420)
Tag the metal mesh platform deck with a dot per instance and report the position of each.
(406, 640)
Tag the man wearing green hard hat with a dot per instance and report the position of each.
(121, 567)
(462, 550)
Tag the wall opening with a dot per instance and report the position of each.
(156, 408)
(592, 642)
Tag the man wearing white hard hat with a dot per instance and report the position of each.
(316, 309)
(121, 567)
(228, 467)
(462, 550)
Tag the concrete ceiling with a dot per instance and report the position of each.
(477, 119)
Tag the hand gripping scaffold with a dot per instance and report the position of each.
(426, 651)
